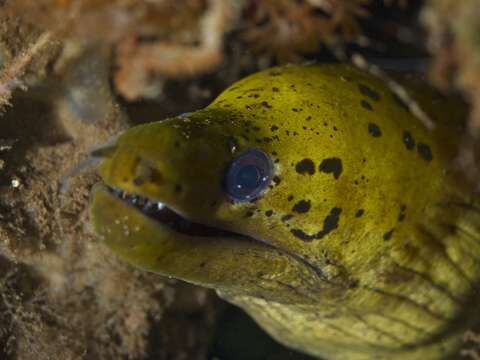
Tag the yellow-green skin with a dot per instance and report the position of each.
(368, 244)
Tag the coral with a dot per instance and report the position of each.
(24, 54)
(148, 39)
(286, 29)
(139, 56)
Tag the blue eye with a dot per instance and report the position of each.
(248, 175)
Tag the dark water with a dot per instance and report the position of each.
(238, 337)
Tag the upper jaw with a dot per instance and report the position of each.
(169, 216)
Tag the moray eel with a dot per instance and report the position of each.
(311, 197)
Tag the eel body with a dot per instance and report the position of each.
(311, 197)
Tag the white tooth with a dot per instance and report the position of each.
(160, 206)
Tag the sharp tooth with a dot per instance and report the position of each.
(148, 204)
(117, 192)
(134, 200)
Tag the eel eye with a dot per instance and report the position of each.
(248, 175)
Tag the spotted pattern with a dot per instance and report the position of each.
(388, 235)
(374, 130)
(425, 152)
(305, 166)
(303, 206)
(330, 223)
(331, 166)
(366, 105)
(368, 91)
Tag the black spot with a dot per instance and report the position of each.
(366, 105)
(266, 105)
(276, 179)
(138, 181)
(359, 213)
(295, 110)
(274, 128)
(331, 165)
(424, 152)
(330, 223)
(388, 235)
(302, 235)
(249, 214)
(374, 130)
(302, 206)
(308, 118)
(202, 264)
(178, 188)
(290, 197)
(268, 213)
(275, 89)
(305, 166)
(286, 217)
(368, 91)
(408, 140)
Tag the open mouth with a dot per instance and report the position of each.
(166, 216)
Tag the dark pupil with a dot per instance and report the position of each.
(248, 177)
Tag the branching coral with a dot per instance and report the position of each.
(286, 29)
(24, 53)
(139, 57)
(148, 39)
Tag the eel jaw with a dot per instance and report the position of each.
(167, 216)
(165, 243)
